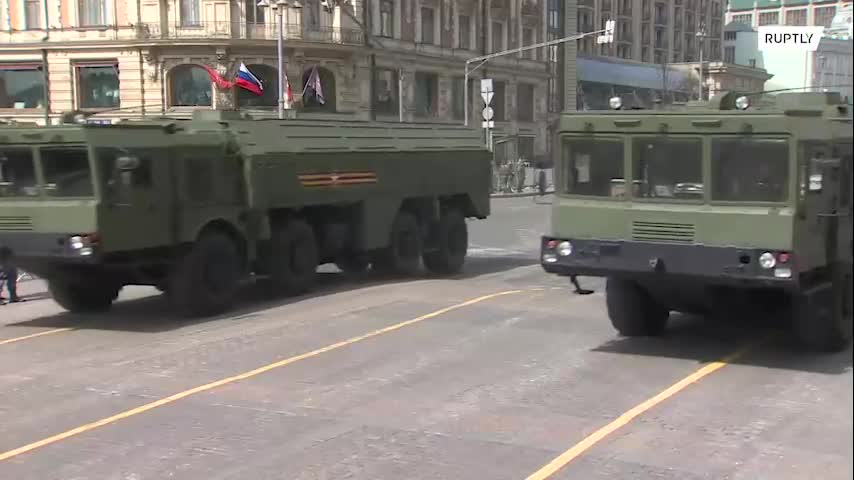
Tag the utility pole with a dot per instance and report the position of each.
(606, 37)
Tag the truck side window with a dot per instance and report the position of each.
(17, 173)
(594, 167)
(750, 169)
(118, 184)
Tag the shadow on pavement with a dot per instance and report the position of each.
(152, 313)
(710, 339)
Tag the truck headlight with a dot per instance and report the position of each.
(83, 244)
(564, 249)
(767, 260)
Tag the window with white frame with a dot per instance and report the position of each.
(387, 18)
(32, 14)
(190, 13)
(92, 13)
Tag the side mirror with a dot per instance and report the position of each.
(126, 162)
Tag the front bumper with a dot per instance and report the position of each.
(709, 264)
(36, 251)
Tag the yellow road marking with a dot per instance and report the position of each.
(27, 337)
(563, 459)
(243, 376)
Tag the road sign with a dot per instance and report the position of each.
(486, 85)
(489, 124)
(487, 97)
(488, 113)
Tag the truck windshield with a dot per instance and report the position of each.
(17, 173)
(669, 168)
(750, 170)
(593, 167)
(66, 172)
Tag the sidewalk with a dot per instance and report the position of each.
(529, 193)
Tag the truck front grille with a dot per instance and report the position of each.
(663, 232)
(15, 224)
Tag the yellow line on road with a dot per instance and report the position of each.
(40, 334)
(563, 459)
(242, 376)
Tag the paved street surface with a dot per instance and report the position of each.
(489, 375)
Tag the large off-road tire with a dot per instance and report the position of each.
(92, 297)
(206, 280)
(633, 312)
(403, 255)
(293, 258)
(451, 246)
(822, 316)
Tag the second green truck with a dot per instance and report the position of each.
(195, 206)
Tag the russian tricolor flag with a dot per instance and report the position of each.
(247, 81)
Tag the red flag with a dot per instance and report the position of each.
(218, 79)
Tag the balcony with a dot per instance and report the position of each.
(587, 3)
(248, 31)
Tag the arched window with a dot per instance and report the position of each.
(270, 98)
(190, 86)
(310, 98)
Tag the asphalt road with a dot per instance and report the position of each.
(499, 373)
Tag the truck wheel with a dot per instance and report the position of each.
(207, 279)
(294, 258)
(403, 255)
(452, 242)
(822, 317)
(79, 298)
(632, 311)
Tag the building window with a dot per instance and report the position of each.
(497, 37)
(525, 102)
(92, 13)
(769, 18)
(458, 97)
(387, 18)
(796, 17)
(824, 16)
(21, 86)
(529, 38)
(190, 13)
(465, 32)
(426, 94)
(427, 26)
(254, 13)
(660, 13)
(98, 85)
(386, 100)
(745, 18)
(33, 14)
(729, 36)
(269, 96)
(714, 50)
(190, 86)
(625, 51)
(729, 54)
(498, 101)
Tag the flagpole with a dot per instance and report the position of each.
(281, 70)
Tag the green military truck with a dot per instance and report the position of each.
(194, 207)
(743, 200)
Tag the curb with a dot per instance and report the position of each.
(516, 195)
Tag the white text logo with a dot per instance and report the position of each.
(789, 37)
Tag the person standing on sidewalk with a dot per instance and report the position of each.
(10, 273)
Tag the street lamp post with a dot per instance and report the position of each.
(606, 37)
(701, 35)
(279, 8)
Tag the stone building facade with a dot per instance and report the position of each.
(124, 58)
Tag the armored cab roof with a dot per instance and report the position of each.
(726, 113)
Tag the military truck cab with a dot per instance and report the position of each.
(196, 206)
(689, 207)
